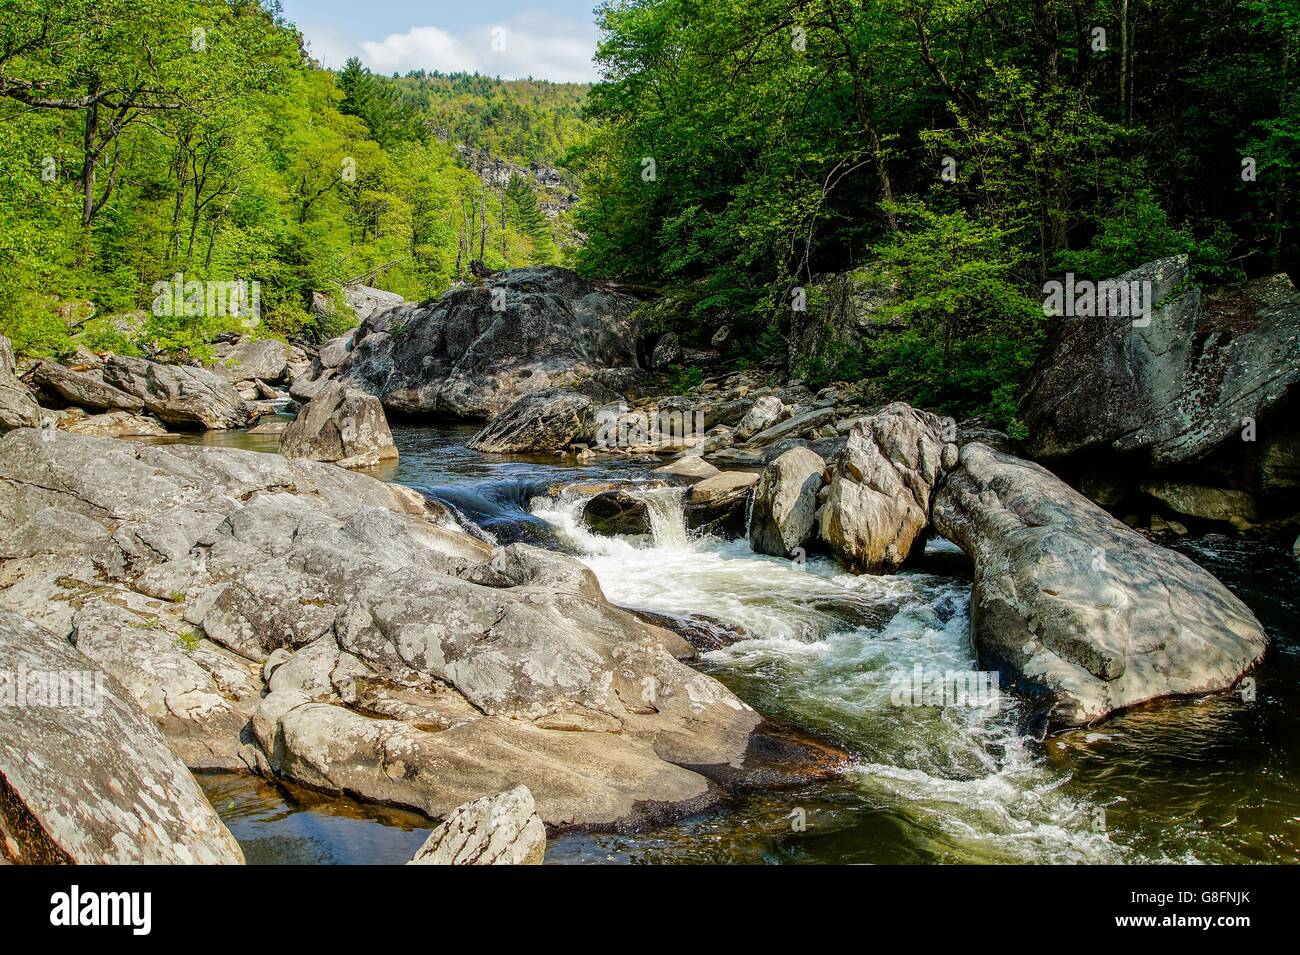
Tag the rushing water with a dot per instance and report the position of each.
(1214, 780)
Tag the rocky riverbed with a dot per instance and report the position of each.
(670, 607)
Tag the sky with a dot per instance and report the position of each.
(545, 39)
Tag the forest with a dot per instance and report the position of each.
(142, 139)
(957, 152)
(756, 162)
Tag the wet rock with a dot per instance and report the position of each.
(617, 512)
(541, 421)
(342, 426)
(178, 394)
(701, 631)
(1197, 500)
(85, 777)
(719, 505)
(785, 503)
(495, 830)
(475, 350)
(880, 491)
(83, 389)
(1077, 610)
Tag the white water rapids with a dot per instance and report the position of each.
(824, 645)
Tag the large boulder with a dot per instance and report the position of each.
(179, 394)
(335, 351)
(341, 425)
(1077, 610)
(264, 359)
(538, 421)
(366, 301)
(879, 503)
(476, 349)
(785, 503)
(83, 389)
(495, 830)
(1198, 500)
(85, 777)
(319, 626)
(18, 407)
(1173, 385)
(762, 414)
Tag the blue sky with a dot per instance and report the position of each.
(546, 39)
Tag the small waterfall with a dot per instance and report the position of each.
(666, 507)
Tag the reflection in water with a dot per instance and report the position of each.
(287, 825)
(1210, 780)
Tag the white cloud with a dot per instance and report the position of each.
(529, 44)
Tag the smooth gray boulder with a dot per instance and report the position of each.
(762, 414)
(539, 421)
(1198, 500)
(335, 351)
(475, 350)
(85, 777)
(689, 467)
(798, 426)
(879, 503)
(1077, 610)
(785, 503)
(83, 389)
(340, 425)
(495, 830)
(179, 394)
(265, 359)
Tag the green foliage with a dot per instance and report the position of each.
(1137, 231)
(778, 158)
(961, 332)
(219, 153)
(525, 214)
(684, 380)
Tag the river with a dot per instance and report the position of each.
(1214, 780)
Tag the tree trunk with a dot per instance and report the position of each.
(88, 166)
